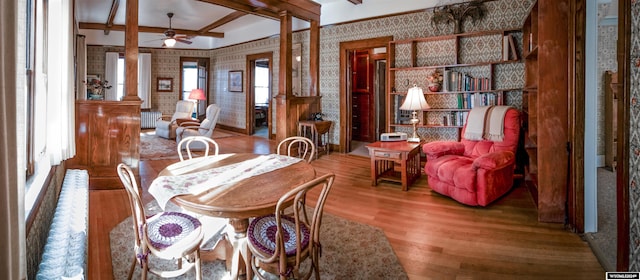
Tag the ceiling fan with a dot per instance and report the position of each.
(171, 38)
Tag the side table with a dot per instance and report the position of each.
(318, 132)
(397, 161)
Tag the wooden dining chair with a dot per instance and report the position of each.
(200, 143)
(165, 235)
(294, 240)
(297, 146)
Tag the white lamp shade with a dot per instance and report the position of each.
(415, 100)
(170, 42)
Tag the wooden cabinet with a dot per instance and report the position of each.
(107, 133)
(545, 107)
(475, 66)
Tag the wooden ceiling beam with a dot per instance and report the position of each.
(149, 29)
(355, 2)
(112, 14)
(228, 18)
(302, 9)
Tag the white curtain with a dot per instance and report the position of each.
(81, 67)
(12, 113)
(60, 89)
(144, 79)
(111, 75)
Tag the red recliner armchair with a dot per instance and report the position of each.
(474, 172)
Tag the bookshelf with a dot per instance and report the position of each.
(546, 108)
(472, 66)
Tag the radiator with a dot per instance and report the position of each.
(65, 251)
(148, 119)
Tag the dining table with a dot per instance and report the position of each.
(235, 186)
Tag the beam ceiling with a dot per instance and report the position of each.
(150, 29)
(302, 9)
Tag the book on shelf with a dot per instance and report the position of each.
(469, 100)
(455, 119)
(458, 81)
(509, 48)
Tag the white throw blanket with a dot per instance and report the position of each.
(486, 123)
(495, 122)
(215, 180)
(475, 123)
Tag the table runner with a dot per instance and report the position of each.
(217, 179)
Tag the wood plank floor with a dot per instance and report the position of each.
(433, 236)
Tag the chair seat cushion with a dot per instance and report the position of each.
(453, 170)
(262, 234)
(169, 228)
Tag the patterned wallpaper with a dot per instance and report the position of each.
(164, 63)
(502, 14)
(634, 140)
(607, 60)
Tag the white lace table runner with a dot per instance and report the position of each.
(217, 179)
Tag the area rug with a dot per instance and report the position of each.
(153, 147)
(350, 250)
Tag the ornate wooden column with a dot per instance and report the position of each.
(314, 58)
(131, 52)
(284, 128)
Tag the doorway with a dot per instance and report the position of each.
(259, 104)
(363, 88)
(194, 74)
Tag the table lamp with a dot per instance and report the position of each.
(414, 101)
(197, 95)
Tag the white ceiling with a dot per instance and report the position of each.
(194, 15)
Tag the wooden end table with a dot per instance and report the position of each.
(397, 161)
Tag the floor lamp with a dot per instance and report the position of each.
(414, 101)
(197, 95)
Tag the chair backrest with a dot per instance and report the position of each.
(209, 123)
(184, 110)
(299, 196)
(297, 146)
(188, 142)
(511, 132)
(135, 202)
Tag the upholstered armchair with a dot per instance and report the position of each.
(204, 128)
(166, 125)
(474, 172)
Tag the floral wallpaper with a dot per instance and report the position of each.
(634, 139)
(607, 61)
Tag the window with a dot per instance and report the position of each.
(262, 86)
(50, 82)
(120, 79)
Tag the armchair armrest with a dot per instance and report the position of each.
(165, 118)
(189, 124)
(440, 148)
(495, 160)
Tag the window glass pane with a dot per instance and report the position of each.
(120, 85)
(262, 85)
(190, 80)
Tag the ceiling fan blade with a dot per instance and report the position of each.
(183, 37)
(183, 41)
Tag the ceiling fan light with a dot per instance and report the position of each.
(170, 42)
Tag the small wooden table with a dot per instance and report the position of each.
(318, 132)
(397, 161)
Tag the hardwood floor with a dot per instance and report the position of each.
(433, 236)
